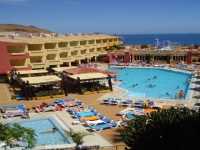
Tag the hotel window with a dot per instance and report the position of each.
(35, 47)
(74, 43)
(17, 62)
(104, 41)
(50, 45)
(36, 59)
(83, 42)
(98, 41)
(51, 56)
(73, 53)
(83, 51)
(63, 55)
(91, 50)
(91, 42)
(16, 49)
(62, 44)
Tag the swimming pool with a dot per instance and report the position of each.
(43, 129)
(154, 83)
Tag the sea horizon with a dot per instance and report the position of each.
(173, 38)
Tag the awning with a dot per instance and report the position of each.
(41, 79)
(38, 71)
(61, 69)
(89, 76)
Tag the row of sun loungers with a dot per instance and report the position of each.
(91, 119)
(127, 102)
(57, 105)
(116, 101)
(13, 111)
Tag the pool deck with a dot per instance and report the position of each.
(93, 99)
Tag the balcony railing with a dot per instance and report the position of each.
(37, 65)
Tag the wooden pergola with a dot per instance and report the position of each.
(77, 79)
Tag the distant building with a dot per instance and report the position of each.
(151, 54)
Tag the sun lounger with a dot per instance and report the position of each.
(70, 104)
(92, 118)
(92, 123)
(13, 114)
(105, 101)
(49, 108)
(113, 102)
(38, 109)
(126, 103)
(85, 114)
(20, 97)
(139, 112)
(105, 119)
(101, 126)
(21, 107)
(125, 111)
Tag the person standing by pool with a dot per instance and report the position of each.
(181, 94)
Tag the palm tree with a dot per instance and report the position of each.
(77, 137)
(15, 132)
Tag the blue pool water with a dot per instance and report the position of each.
(153, 82)
(43, 128)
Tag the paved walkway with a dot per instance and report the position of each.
(4, 92)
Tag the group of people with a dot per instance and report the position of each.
(149, 85)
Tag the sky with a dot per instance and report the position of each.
(108, 16)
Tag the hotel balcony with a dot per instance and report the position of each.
(52, 62)
(51, 47)
(64, 49)
(36, 62)
(74, 43)
(67, 59)
(63, 45)
(19, 64)
(37, 65)
(16, 56)
(74, 53)
(16, 49)
(35, 47)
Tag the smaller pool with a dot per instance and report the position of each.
(48, 131)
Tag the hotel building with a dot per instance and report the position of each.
(42, 51)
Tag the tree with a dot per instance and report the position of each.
(170, 129)
(77, 137)
(10, 133)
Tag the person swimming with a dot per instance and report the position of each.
(154, 77)
(134, 85)
(151, 85)
(167, 93)
(148, 79)
(53, 129)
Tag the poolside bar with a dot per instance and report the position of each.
(78, 79)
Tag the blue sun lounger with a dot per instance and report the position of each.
(101, 126)
(85, 114)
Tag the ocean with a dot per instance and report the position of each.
(177, 39)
